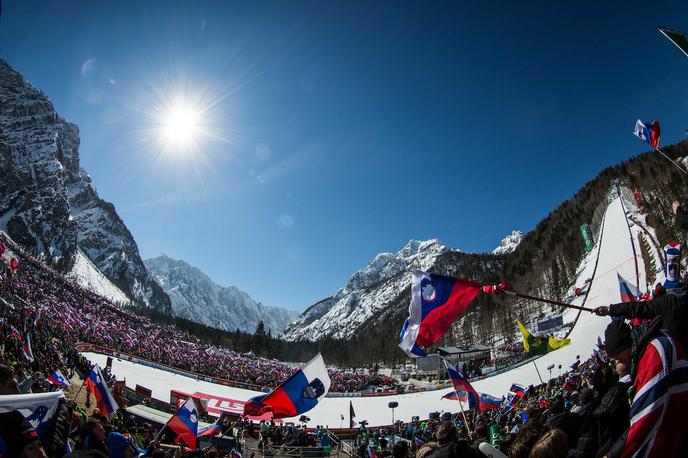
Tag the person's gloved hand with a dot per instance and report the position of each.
(601, 311)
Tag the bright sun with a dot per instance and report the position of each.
(180, 127)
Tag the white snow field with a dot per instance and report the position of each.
(615, 255)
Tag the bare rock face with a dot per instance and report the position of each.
(48, 203)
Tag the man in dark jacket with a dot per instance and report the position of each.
(673, 308)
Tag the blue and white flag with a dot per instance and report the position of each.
(38, 408)
(26, 349)
(58, 378)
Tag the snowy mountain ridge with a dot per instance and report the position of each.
(367, 292)
(198, 298)
(48, 203)
(509, 243)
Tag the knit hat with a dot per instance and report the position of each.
(15, 432)
(617, 337)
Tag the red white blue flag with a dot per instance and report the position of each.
(488, 402)
(26, 349)
(15, 334)
(211, 430)
(518, 390)
(95, 384)
(629, 293)
(648, 132)
(184, 423)
(436, 302)
(58, 378)
(298, 394)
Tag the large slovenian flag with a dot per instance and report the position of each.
(629, 293)
(184, 423)
(26, 349)
(298, 394)
(95, 384)
(436, 302)
(648, 132)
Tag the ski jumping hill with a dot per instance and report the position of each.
(613, 252)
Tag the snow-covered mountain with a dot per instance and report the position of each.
(509, 243)
(48, 203)
(197, 298)
(366, 293)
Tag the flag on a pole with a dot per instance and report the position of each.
(436, 302)
(352, 415)
(540, 345)
(459, 382)
(648, 132)
(298, 394)
(26, 349)
(95, 384)
(629, 293)
(510, 401)
(184, 423)
(472, 400)
(676, 37)
(58, 378)
(518, 390)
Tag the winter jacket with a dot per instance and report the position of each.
(604, 423)
(660, 396)
(672, 308)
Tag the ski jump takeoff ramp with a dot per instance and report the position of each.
(613, 253)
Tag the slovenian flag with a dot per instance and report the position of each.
(184, 423)
(57, 378)
(26, 349)
(211, 430)
(15, 334)
(298, 394)
(95, 384)
(488, 402)
(648, 132)
(518, 390)
(470, 399)
(510, 401)
(436, 302)
(629, 293)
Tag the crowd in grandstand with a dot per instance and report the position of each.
(58, 313)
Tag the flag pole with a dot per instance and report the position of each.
(671, 160)
(465, 420)
(538, 372)
(541, 299)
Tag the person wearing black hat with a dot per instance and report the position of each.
(655, 363)
(19, 437)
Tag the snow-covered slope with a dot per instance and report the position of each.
(615, 255)
(367, 292)
(87, 275)
(509, 243)
(48, 203)
(197, 298)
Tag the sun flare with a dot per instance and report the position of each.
(180, 127)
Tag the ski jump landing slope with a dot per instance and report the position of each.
(612, 254)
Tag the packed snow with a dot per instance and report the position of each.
(509, 243)
(615, 255)
(85, 274)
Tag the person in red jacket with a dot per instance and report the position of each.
(658, 368)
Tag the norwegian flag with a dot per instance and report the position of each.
(660, 401)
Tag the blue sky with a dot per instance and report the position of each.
(338, 130)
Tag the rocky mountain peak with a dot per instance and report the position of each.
(509, 243)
